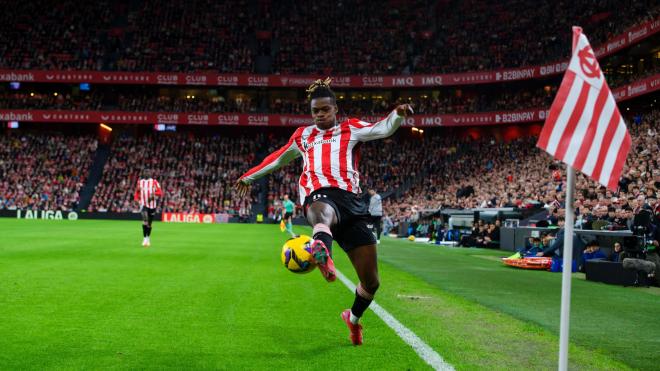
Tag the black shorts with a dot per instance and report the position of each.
(287, 215)
(354, 227)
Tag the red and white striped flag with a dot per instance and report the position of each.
(584, 128)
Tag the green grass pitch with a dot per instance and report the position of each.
(82, 295)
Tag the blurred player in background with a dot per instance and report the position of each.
(147, 191)
(329, 190)
(287, 214)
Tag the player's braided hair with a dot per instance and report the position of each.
(321, 89)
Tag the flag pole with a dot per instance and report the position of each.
(567, 270)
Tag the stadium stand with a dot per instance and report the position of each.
(43, 171)
(517, 174)
(201, 35)
(196, 172)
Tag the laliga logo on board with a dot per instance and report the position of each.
(207, 218)
(198, 119)
(106, 77)
(258, 81)
(167, 118)
(283, 120)
(258, 120)
(105, 117)
(227, 80)
(284, 80)
(195, 79)
(167, 79)
(228, 120)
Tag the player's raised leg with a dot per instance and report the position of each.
(364, 259)
(322, 216)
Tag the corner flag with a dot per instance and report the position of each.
(584, 128)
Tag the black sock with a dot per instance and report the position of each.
(325, 238)
(144, 230)
(359, 305)
(149, 231)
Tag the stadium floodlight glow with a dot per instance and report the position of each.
(415, 129)
(55, 94)
(32, 94)
(105, 127)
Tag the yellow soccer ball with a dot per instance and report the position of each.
(297, 254)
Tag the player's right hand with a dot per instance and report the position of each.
(404, 110)
(242, 187)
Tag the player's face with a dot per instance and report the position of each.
(324, 112)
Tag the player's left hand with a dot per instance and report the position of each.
(242, 187)
(404, 110)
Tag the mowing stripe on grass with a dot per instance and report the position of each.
(422, 349)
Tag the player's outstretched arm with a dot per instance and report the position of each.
(386, 127)
(272, 162)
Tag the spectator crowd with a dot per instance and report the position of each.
(196, 173)
(334, 38)
(43, 172)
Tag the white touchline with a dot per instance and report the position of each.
(422, 349)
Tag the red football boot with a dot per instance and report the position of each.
(323, 259)
(356, 330)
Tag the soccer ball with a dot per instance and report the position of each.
(297, 254)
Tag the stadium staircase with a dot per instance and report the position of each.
(95, 173)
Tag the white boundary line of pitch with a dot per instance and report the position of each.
(423, 350)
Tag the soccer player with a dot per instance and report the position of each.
(146, 192)
(329, 188)
(287, 216)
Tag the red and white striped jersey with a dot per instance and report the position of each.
(330, 157)
(146, 192)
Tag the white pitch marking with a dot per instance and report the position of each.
(423, 350)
